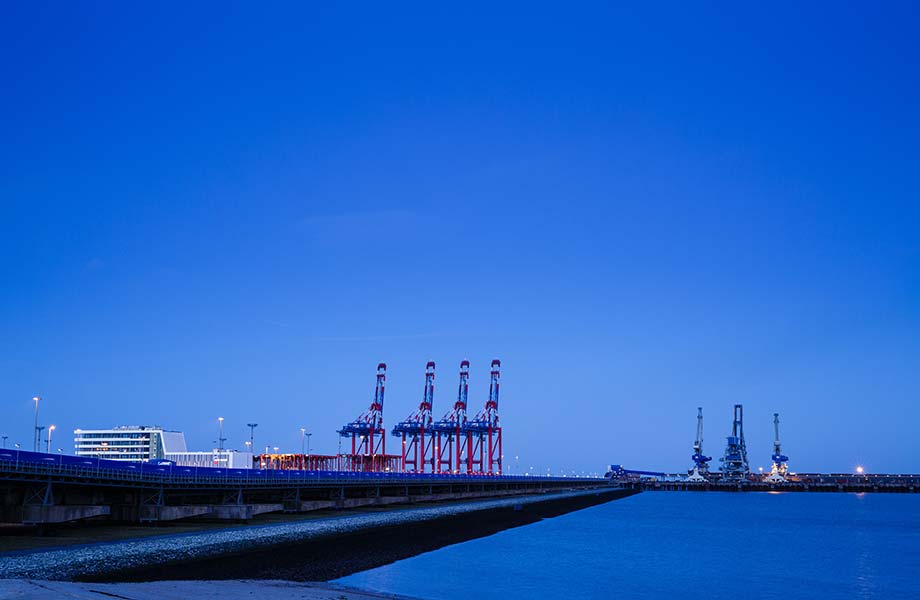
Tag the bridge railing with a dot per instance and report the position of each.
(38, 464)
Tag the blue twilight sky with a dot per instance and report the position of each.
(222, 210)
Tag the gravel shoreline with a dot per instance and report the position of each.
(85, 562)
(28, 589)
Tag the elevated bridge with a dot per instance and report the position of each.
(40, 489)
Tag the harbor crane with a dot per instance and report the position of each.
(449, 448)
(418, 440)
(700, 472)
(778, 472)
(484, 433)
(368, 436)
(735, 460)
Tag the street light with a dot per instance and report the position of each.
(220, 434)
(252, 427)
(37, 434)
(50, 430)
(4, 440)
(308, 443)
(303, 438)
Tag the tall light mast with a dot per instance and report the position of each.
(700, 471)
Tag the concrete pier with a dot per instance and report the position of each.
(149, 514)
(36, 491)
(40, 514)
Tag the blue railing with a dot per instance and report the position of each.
(25, 462)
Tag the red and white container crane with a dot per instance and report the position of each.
(449, 446)
(418, 439)
(484, 433)
(368, 437)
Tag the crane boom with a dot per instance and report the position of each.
(780, 468)
(700, 470)
(776, 449)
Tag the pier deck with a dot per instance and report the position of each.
(45, 489)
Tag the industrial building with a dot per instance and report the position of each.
(221, 459)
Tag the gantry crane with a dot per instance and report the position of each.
(417, 436)
(368, 437)
(484, 434)
(449, 448)
(700, 471)
(778, 472)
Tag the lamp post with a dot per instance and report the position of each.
(303, 440)
(37, 435)
(4, 440)
(50, 430)
(252, 427)
(220, 434)
(308, 443)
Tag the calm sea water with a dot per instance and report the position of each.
(683, 545)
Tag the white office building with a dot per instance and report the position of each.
(142, 443)
(134, 443)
